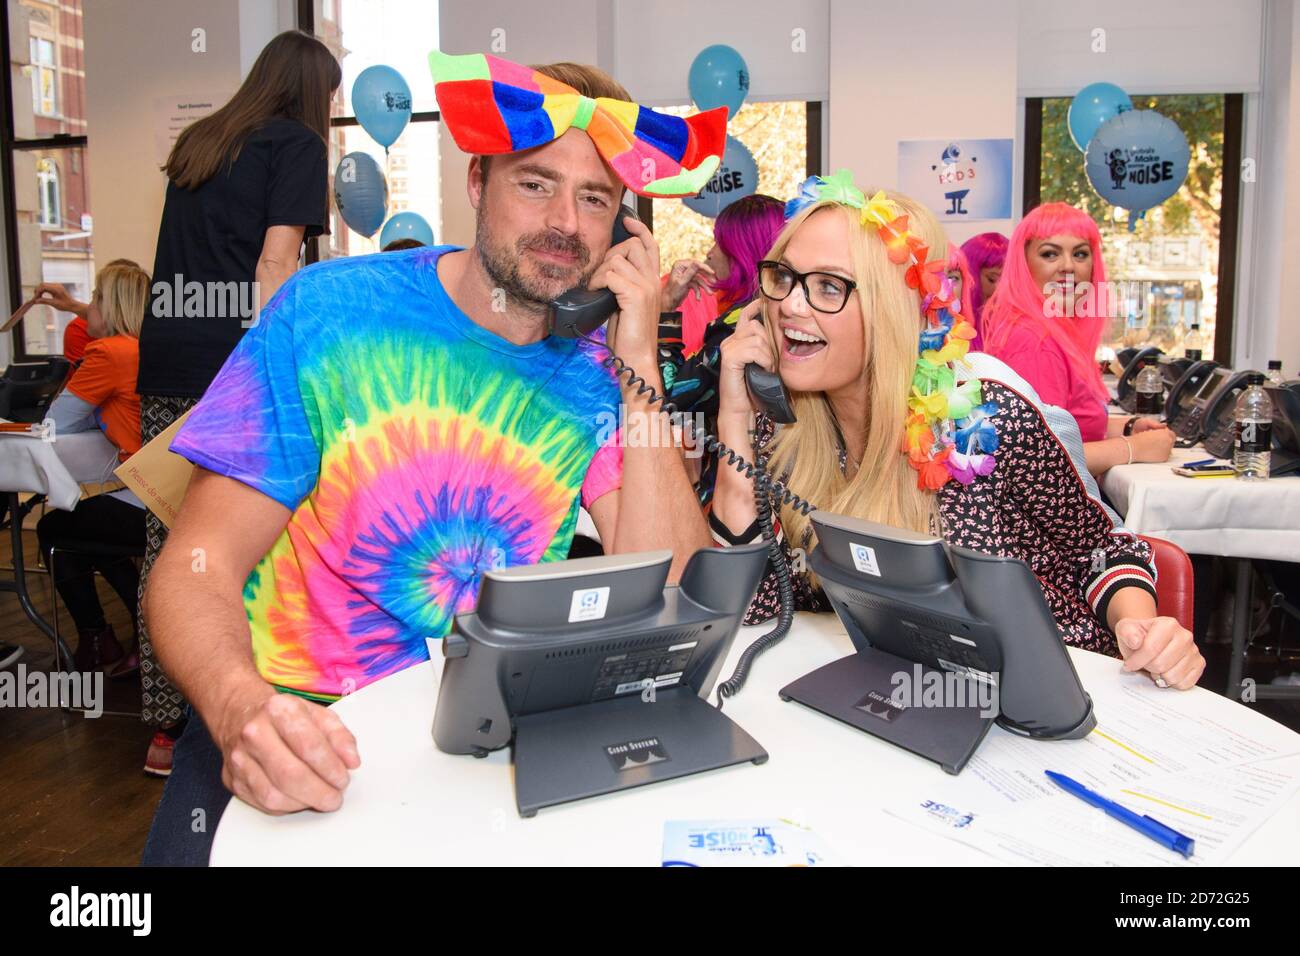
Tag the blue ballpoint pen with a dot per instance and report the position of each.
(1165, 836)
(1198, 464)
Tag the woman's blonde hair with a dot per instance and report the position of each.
(122, 289)
(885, 486)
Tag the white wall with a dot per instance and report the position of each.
(137, 50)
(944, 70)
(1270, 284)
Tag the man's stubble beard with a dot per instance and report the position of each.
(532, 294)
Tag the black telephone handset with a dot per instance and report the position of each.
(769, 394)
(1125, 388)
(581, 311)
(1219, 429)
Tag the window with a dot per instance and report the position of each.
(47, 178)
(785, 139)
(399, 33)
(48, 229)
(1177, 267)
(44, 78)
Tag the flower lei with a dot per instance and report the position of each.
(948, 434)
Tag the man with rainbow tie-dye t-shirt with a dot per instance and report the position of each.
(393, 426)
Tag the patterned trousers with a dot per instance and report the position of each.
(163, 704)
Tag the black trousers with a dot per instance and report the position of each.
(99, 520)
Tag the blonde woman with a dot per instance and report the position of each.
(850, 296)
(101, 395)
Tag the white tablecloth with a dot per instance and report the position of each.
(1216, 516)
(411, 804)
(55, 468)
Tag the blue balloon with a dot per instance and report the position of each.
(406, 225)
(382, 103)
(736, 178)
(1093, 105)
(719, 77)
(1137, 160)
(361, 193)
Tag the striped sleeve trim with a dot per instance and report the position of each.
(1114, 579)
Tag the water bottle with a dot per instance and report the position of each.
(1254, 415)
(1274, 372)
(1150, 388)
(1192, 343)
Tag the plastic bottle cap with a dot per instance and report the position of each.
(1255, 378)
(1274, 364)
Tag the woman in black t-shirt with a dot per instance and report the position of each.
(245, 187)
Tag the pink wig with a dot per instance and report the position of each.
(988, 250)
(745, 231)
(1018, 301)
(956, 260)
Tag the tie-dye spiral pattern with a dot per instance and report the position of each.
(414, 449)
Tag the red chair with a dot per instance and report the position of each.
(1174, 585)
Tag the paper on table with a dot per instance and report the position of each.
(1219, 808)
(769, 842)
(1142, 732)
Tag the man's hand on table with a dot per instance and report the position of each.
(282, 753)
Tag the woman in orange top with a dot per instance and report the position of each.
(101, 394)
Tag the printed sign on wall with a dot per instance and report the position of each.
(958, 179)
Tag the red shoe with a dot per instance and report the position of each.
(158, 762)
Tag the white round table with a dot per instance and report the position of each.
(411, 804)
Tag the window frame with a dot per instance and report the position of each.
(9, 145)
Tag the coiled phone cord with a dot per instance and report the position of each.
(765, 488)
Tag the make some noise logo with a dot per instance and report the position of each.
(78, 909)
(206, 300)
(955, 686)
(85, 691)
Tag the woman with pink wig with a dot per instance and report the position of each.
(964, 286)
(742, 234)
(985, 255)
(1045, 320)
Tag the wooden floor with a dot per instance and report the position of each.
(72, 789)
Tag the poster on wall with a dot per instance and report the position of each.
(173, 113)
(960, 180)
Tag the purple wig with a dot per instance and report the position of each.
(988, 250)
(745, 231)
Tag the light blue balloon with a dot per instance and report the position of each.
(736, 178)
(361, 193)
(406, 225)
(1137, 160)
(382, 103)
(719, 77)
(1093, 105)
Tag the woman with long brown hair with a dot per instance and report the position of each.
(245, 187)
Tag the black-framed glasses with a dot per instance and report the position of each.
(827, 292)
